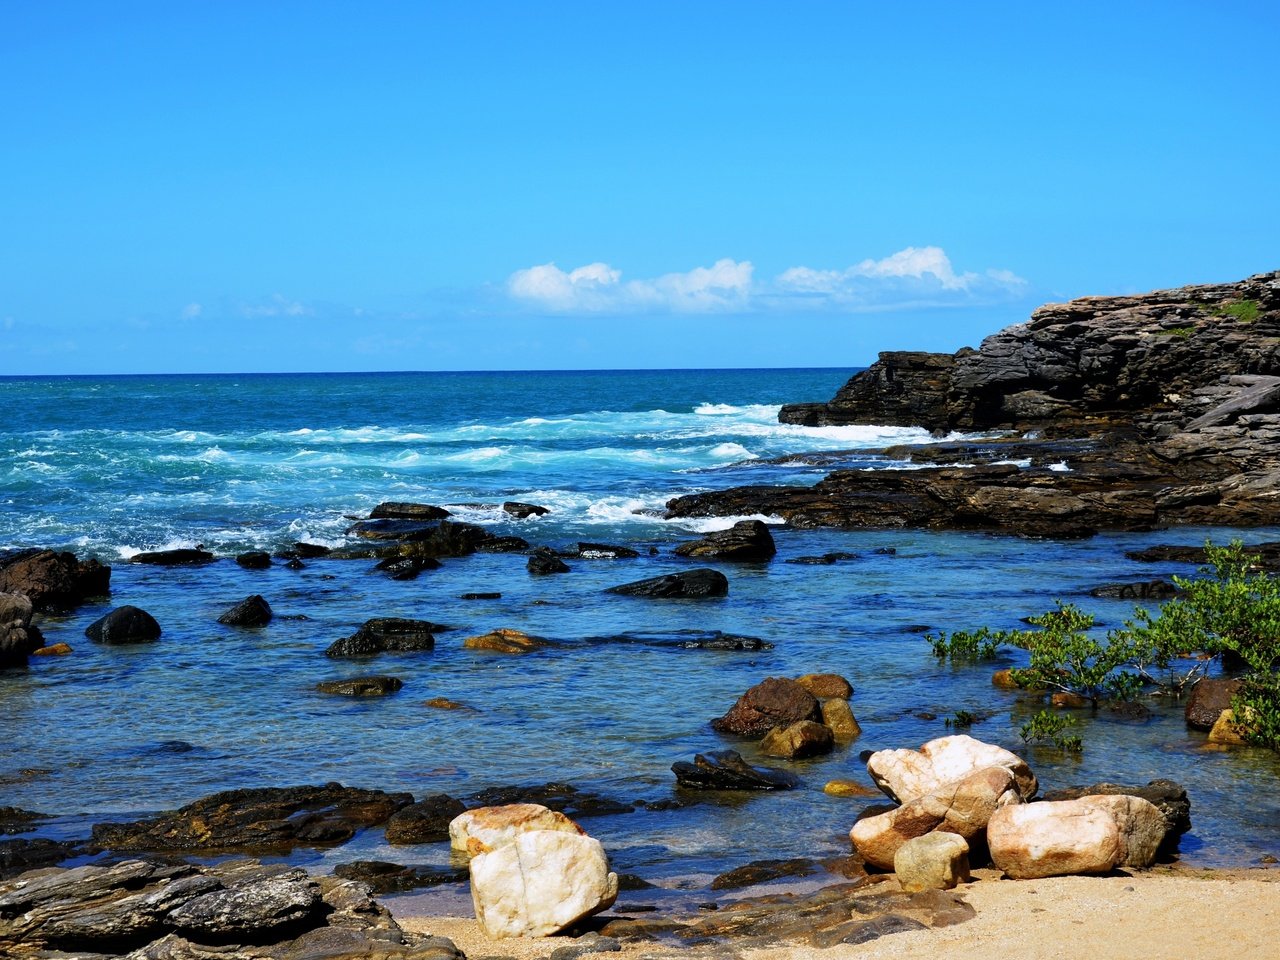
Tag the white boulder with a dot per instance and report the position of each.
(1052, 839)
(907, 774)
(487, 828)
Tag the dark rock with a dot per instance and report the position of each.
(864, 931)
(395, 510)
(378, 686)
(503, 545)
(406, 568)
(479, 596)
(585, 946)
(258, 910)
(268, 818)
(254, 560)
(762, 871)
(20, 854)
(1207, 699)
(17, 820)
(775, 702)
(295, 564)
(689, 584)
(604, 551)
(53, 581)
(124, 625)
(433, 538)
(726, 770)
(826, 560)
(311, 551)
(522, 511)
(383, 877)
(180, 557)
(563, 797)
(1170, 797)
(426, 821)
(544, 561)
(747, 541)
(629, 881)
(386, 634)
(252, 611)
(1142, 590)
(18, 638)
(685, 640)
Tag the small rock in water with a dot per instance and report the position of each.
(378, 686)
(53, 650)
(1144, 590)
(406, 568)
(397, 510)
(479, 596)
(838, 715)
(386, 634)
(544, 561)
(252, 611)
(824, 686)
(690, 584)
(173, 558)
(295, 564)
(762, 871)
(254, 560)
(747, 541)
(798, 741)
(605, 551)
(505, 640)
(848, 788)
(825, 560)
(124, 625)
(1207, 700)
(444, 703)
(726, 770)
(776, 701)
(310, 551)
(522, 511)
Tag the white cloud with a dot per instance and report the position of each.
(276, 306)
(912, 277)
(191, 311)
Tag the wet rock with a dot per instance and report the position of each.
(488, 828)
(1228, 731)
(503, 545)
(267, 818)
(386, 634)
(522, 511)
(426, 821)
(605, 551)
(763, 871)
(689, 584)
(777, 701)
(505, 640)
(838, 715)
(747, 541)
(383, 877)
(53, 650)
(726, 770)
(376, 686)
(433, 538)
(254, 560)
(825, 686)
(962, 807)
(444, 703)
(864, 931)
(18, 638)
(252, 611)
(825, 560)
(406, 568)
(848, 788)
(181, 557)
(295, 564)
(17, 820)
(52, 580)
(686, 640)
(544, 561)
(543, 882)
(907, 774)
(123, 625)
(1208, 698)
(20, 854)
(479, 596)
(1052, 839)
(798, 741)
(562, 797)
(1168, 796)
(1142, 590)
(311, 551)
(398, 510)
(935, 861)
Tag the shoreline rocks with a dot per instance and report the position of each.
(689, 584)
(747, 541)
(51, 580)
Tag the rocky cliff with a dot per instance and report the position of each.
(1120, 412)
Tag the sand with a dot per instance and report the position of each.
(1221, 915)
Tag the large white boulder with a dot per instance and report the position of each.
(1052, 839)
(487, 828)
(1141, 824)
(907, 774)
(540, 883)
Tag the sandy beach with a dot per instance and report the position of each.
(1205, 915)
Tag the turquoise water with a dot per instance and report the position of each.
(113, 466)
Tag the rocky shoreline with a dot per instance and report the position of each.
(1105, 413)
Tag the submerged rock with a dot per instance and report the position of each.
(406, 568)
(689, 584)
(1142, 590)
(798, 741)
(777, 701)
(386, 634)
(762, 871)
(254, 560)
(506, 640)
(726, 770)
(685, 640)
(377, 686)
(252, 611)
(124, 625)
(398, 510)
(605, 551)
(181, 557)
(53, 580)
(544, 561)
(747, 541)
(267, 818)
(522, 511)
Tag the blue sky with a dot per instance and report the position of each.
(231, 186)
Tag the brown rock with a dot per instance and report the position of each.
(505, 640)
(824, 686)
(1226, 730)
(848, 788)
(798, 741)
(837, 715)
(1069, 701)
(775, 702)
(444, 703)
(1208, 698)
(53, 650)
(1053, 838)
(936, 861)
(54, 581)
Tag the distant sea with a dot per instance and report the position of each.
(111, 466)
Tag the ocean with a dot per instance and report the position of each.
(112, 466)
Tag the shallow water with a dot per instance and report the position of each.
(112, 731)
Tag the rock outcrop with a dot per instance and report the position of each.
(386, 635)
(52, 580)
(747, 541)
(1123, 413)
(18, 638)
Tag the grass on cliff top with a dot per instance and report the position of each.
(1245, 311)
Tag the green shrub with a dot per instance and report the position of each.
(1047, 727)
(1064, 657)
(965, 647)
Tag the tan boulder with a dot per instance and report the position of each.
(487, 828)
(541, 883)
(935, 861)
(962, 807)
(827, 686)
(847, 788)
(505, 640)
(837, 715)
(907, 774)
(1053, 838)
(1226, 730)
(798, 741)
(1141, 824)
